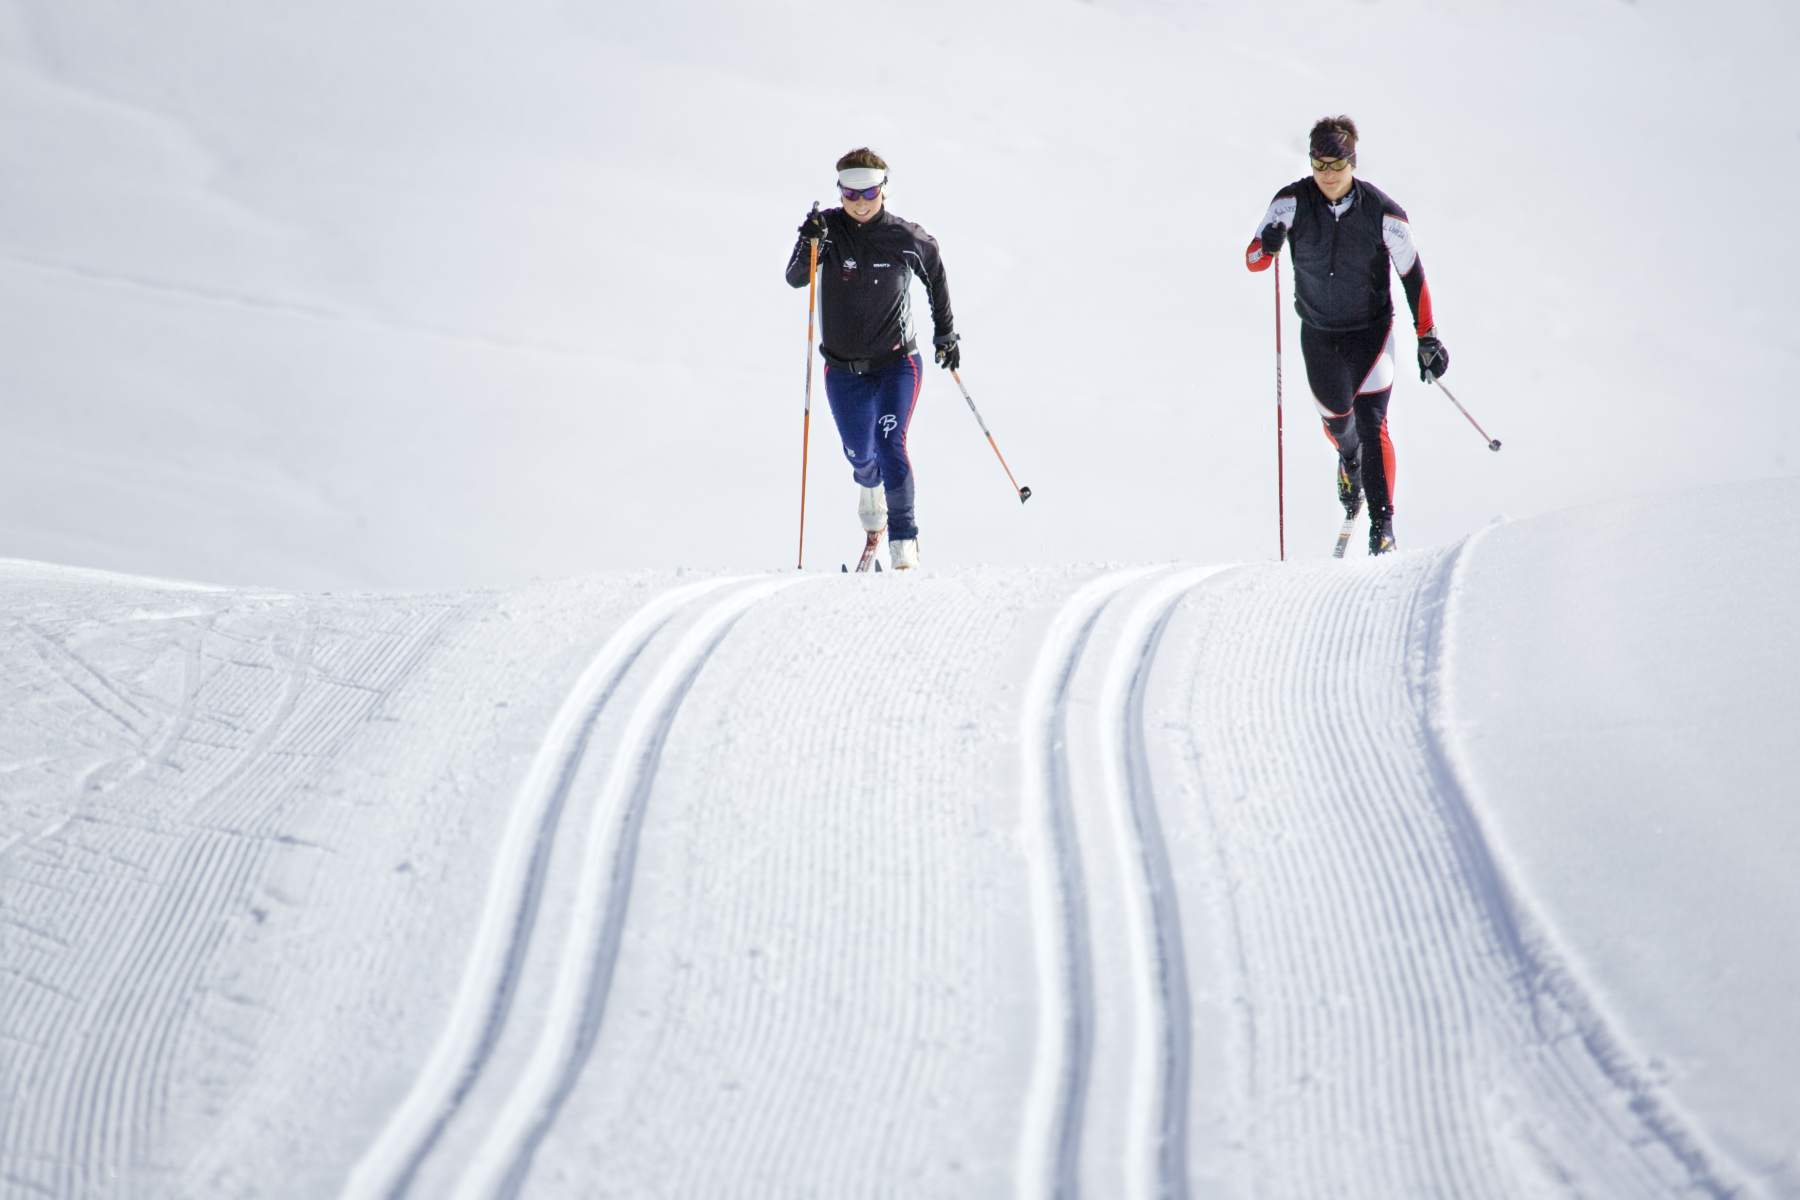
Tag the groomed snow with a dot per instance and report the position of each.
(1464, 872)
(497, 819)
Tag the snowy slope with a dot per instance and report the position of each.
(648, 870)
(1409, 877)
(459, 294)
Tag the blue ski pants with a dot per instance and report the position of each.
(873, 412)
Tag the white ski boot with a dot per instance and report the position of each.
(871, 506)
(905, 553)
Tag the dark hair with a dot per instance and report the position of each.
(862, 156)
(1333, 137)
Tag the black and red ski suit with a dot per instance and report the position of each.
(1341, 252)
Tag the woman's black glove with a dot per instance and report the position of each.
(949, 351)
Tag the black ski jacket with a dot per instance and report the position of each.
(865, 297)
(1341, 255)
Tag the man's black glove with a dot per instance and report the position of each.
(1274, 236)
(949, 352)
(814, 225)
(1434, 360)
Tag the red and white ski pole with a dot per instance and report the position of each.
(1493, 443)
(812, 288)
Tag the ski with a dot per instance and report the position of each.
(1344, 536)
(868, 552)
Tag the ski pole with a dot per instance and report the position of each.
(812, 289)
(1024, 492)
(1280, 452)
(1493, 443)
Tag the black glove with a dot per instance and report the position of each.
(1434, 360)
(1274, 237)
(949, 353)
(814, 225)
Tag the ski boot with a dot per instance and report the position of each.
(905, 553)
(1349, 490)
(1381, 532)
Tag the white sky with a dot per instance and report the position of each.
(345, 297)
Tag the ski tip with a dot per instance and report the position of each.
(878, 566)
(844, 567)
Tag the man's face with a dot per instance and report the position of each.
(861, 207)
(1333, 175)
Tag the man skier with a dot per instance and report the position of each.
(872, 369)
(1344, 232)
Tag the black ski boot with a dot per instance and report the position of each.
(1349, 489)
(1381, 531)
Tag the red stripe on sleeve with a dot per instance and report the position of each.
(1424, 322)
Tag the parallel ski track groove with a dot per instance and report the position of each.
(496, 958)
(1395, 1032)
(1049, 1153)
(579, 993)
(837, 947)
(1156, 1151)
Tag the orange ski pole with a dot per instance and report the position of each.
(812, 289)
(1024, 493)
(1280, 452)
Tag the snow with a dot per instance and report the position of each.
(1459, 872)
(494, 818)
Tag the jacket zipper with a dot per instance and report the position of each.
(1336, 220)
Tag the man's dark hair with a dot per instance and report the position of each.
(862, 156)
(1333, 137)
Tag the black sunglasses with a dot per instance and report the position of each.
(860, 193)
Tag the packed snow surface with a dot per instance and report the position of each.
(1467, 871)
(1149, 867)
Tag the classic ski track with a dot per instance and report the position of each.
(1405, 1028)
(509, 913)
(1403, 1040)
(96, 1115)
(824, 959)
(1157, 1107)
(585, 965)
(1049, 1151)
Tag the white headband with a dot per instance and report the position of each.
(861, 177)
